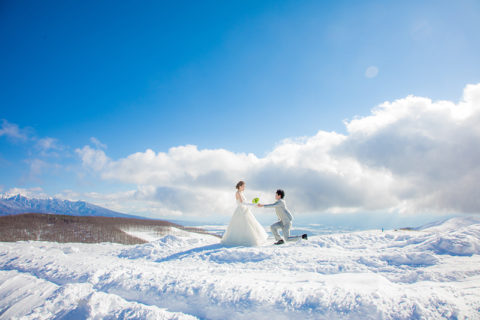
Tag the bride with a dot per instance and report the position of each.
(243, 229)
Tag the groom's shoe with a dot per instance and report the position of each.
(279, 242)
(304, 236)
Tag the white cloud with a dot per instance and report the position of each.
(37, 148)
(180, 166)
(37, 166)
(49, 147)
(410, 155)
(12, 131)
(98, 143)
(371, 72)
(93, 158)
(432, 147)
(48, 144)
(139, 202)
(421, 30)
(201, 182)
(35, 192)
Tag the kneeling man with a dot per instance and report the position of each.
(285, 219)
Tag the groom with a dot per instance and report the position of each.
(285, 219)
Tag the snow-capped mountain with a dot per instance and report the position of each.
(16, 204)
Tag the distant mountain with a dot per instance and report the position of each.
(16, 204)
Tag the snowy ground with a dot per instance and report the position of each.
(432, 273)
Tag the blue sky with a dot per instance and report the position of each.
(239, 75)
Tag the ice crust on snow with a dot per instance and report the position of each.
(429, 273)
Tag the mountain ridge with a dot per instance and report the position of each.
(18, 204)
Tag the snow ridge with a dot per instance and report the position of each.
(16, 204)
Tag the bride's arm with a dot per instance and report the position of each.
(243, 202)
(247, 203)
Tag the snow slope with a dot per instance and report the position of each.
(433, 273)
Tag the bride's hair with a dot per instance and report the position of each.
(239, 184)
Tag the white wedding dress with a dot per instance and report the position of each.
(244, 229)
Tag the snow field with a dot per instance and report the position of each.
(432, 273)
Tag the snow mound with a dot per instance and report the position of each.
(464, 242)
(33, 298)
(451, 224)
(411, 259)
(166, 246)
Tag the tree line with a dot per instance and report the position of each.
(64, 228)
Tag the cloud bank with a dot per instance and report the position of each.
(411, 155)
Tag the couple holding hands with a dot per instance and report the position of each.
(245, 230)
